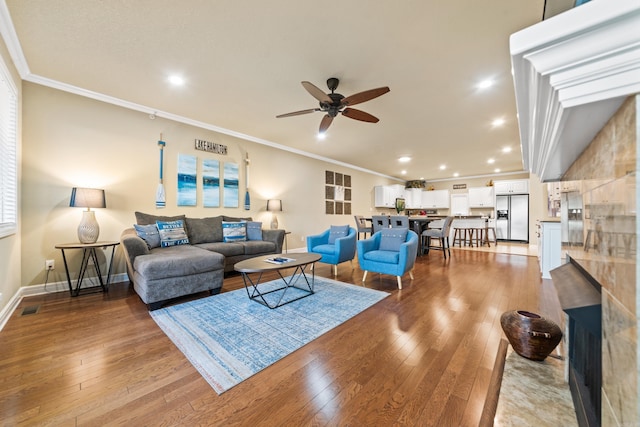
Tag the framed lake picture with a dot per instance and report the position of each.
(211, 183)
(187, 180)
(231, 188)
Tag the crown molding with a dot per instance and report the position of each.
(10, 37)
(571, 73)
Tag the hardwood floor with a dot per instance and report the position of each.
(422, 356)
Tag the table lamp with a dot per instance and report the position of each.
(88, 230)
(274, 205)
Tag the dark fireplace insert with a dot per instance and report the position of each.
(580, 298)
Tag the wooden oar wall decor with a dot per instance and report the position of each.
(247, 198)
(160, 195)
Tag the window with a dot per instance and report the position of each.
(8, 153)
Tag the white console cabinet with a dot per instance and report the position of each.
(549, 247)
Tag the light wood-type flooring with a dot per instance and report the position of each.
(422, 356)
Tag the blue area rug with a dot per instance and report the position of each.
(229, 338)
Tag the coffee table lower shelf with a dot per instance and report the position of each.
(257, 291)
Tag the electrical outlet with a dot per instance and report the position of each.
(50, 264)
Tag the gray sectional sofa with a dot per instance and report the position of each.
(159, 274)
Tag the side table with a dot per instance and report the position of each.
(88, 252)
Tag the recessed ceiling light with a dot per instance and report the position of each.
(485, 84)
(404, 159)
(443, 167)
(491, 161)
(456, 174)
(403, 172)
(176, 80)
(497, 170)
(506, 149)
(497, 122)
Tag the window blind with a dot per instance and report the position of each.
(8, 153)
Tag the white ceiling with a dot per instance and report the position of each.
(243, 62)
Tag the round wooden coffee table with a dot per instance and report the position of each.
(268, 263)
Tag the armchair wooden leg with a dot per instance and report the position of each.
(411, 273)
(335, 270)
(364, 277)
(352, 267)
(399, 282)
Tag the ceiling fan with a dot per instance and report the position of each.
(334, 103)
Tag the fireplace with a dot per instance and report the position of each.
(580, 298)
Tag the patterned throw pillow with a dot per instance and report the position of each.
(172, 233)
(337, 231)
(234, 231)
(254, 230)
(148, 233)
(392, 238)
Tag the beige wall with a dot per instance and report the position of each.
(74, 141)
(10, 279)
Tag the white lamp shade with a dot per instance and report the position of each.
(87, 198)
(274, 205)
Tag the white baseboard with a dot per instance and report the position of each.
(48, 288)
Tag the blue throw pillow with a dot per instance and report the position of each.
(254, 230)
(338, 231)
(172, 233)
(148, 233)
(234, 231)
(392, 238)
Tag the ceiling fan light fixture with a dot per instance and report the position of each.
(321, 135)
(332, 104)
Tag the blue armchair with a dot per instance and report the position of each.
(336, 245)
(389, 251)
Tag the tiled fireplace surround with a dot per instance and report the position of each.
(608, 171)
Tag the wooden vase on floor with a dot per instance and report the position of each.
(531, 335)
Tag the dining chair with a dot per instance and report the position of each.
(362, 226)
(441, 234)
(399, 221)
(380, 222)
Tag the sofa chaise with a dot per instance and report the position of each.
(176, 261)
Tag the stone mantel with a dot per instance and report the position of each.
(571, 73)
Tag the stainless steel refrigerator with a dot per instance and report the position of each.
(512, 217)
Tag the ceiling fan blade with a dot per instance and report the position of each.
(325, 123)
(297, 113)
(316, 92)
(359, 97)
(352, 113)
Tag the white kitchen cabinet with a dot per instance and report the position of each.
(549, 247)
(481, 197)
(513, 186)
(436, 199)
(413, 198)
(460, 204)
(385, 195)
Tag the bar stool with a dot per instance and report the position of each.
(460, 228)
(478, 232)
(491, 226)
